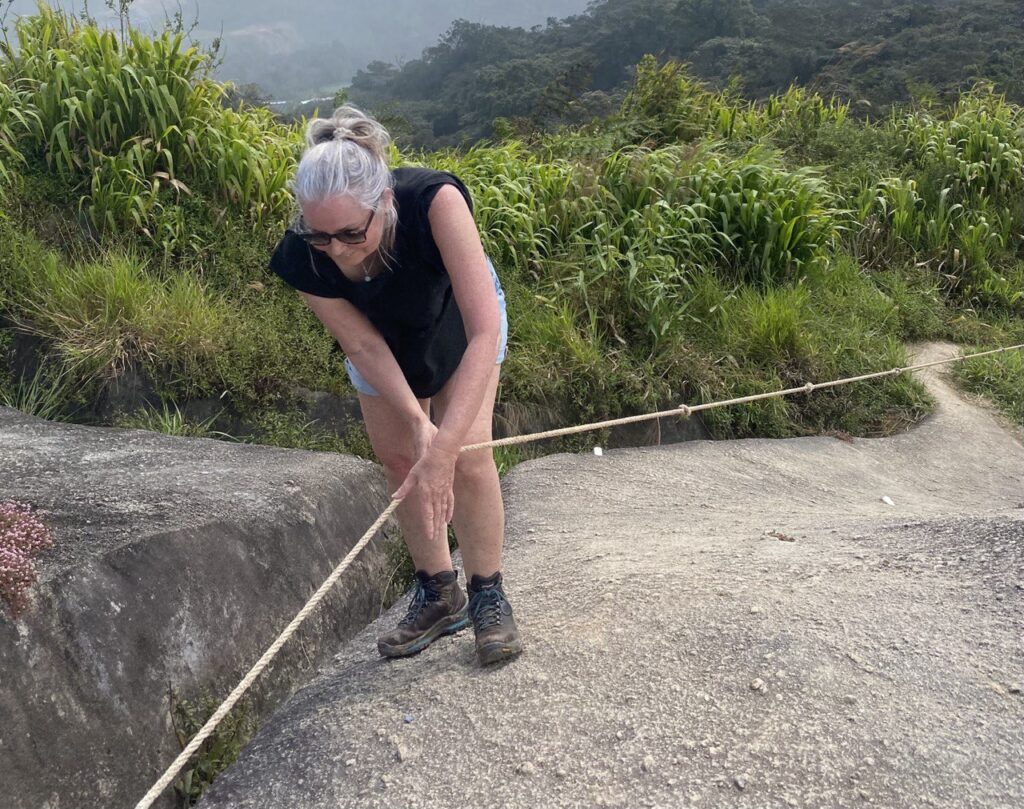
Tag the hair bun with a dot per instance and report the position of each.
(352, 124)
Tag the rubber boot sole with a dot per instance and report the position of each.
(497, 651)
(448, 625)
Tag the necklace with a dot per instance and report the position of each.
(365, 266)
(361, 267)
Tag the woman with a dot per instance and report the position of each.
(392, 265)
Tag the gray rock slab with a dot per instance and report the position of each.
(711, 624)
(176, 562)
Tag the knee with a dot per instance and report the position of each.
(475, 467)
(396, 464)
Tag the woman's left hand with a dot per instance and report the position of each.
(432, 479)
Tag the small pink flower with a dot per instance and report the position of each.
(22, 535)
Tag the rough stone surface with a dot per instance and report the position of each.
(888, 639)
(24, 352)
(128, 392)
(330, 412)
(176, 562)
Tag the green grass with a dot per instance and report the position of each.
(291, 429)
(47, 394)
(195, 334)
(218, 751)
(103, 315)
(1000, 377)
(169, 419)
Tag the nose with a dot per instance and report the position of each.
(335, 248)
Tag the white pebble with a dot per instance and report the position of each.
(598, 451)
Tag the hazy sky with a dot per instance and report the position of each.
(293, 47)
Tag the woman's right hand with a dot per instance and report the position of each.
(430, 480)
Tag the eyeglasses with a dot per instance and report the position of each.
(319, 238)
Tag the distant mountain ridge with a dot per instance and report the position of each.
(873, 52)
(291, 50)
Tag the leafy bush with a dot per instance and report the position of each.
(667, 105)
(769, 223)
(138, 124)
(16, 118)
(978, 149)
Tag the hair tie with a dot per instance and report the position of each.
(340, 133)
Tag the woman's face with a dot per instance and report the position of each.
(344, 213)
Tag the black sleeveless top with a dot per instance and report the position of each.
(411, 305)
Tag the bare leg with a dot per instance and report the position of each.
(392, 440)
(479, 519)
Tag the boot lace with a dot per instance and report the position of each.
(486, 607)
(420, 599)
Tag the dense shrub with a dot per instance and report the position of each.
(137, 125)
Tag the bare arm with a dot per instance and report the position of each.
(456, 236)
(366, 349)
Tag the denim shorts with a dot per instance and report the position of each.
(366, 389)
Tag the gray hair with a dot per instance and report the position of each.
(347, 155)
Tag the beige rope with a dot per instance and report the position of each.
(686, 410)
(262, 663)
(682, 410)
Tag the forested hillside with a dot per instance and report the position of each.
(873, 53)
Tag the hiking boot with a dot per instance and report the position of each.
(496, 635)
(438, 607)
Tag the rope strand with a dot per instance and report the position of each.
(686, 410)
